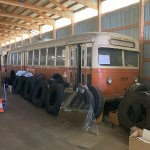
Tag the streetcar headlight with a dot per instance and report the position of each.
(136, 80)
(109, 80)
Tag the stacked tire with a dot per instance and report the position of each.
(134, 110)
(50, 94)
(29, 88)
(54, 98)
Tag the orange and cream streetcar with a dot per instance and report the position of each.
(107, 61)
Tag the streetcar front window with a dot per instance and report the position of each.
(110, 57)
(131, 58)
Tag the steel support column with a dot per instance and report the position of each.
(99, 8)
(141, 35)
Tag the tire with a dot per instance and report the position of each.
(12, 77)
(99, 101)
(40, 77)
(15, 87)
(137, 87)
(58, 78)
(54, 97)
(29, 88)
(22, 85)
(39, 93)
(135, 111)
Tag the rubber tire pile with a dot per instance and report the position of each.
(40, 92)
(134, 110)
(50, 94)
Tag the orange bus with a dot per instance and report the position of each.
(107, 61)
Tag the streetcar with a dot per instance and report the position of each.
(107, 61)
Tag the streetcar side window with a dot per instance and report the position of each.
(9, 59)
(12, 59)
(30, 57)
(19, 58)
(72, 56)
(43, 56)
(89, 56)
(60, 56)
(51, 56)
(15, 58)
(36, 57)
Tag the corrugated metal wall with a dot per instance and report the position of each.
(121, 18)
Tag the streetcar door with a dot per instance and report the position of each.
(86, 64)
(23, 60)
(78, 58)
(73, 67)
(80, 64)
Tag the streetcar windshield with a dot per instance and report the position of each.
(110, 57)
(131, 58)
(114, 57)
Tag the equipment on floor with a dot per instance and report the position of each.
(78, 109)
(3, 101)
(1, 105)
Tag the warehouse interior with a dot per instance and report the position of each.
(25, 23)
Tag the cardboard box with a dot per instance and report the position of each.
(137, 144)
(113, 118)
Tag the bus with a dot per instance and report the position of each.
(107, 61)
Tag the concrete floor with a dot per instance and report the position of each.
(25, 127)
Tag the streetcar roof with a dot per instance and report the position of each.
(89, 37)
